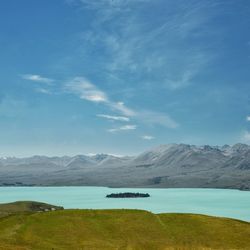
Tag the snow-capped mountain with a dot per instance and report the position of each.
(172, 165)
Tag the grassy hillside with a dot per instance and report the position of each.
(120, 229)
(26, 206)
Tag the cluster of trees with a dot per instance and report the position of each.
(127, 195)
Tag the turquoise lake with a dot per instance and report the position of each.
(217, 202)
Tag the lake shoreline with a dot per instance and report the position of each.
(122, 187)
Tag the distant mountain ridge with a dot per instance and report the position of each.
(171, 165)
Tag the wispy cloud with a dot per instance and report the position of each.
(168, 53)
(37, 78)
(90, 92)
(122, 128)
(185, 77)
(151, 117)
(148, 137)
(157, 50)
(43, 91)
(248, 118)
(86, 90)
(115, 118)
(116, 5)
(122, 108)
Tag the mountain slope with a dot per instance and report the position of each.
(173, 165)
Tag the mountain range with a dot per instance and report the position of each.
(166, 166)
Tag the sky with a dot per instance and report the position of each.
(122, 76)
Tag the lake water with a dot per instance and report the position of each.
(217, 202)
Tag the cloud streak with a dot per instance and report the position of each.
(43, 91)
(37, 78)
(114, 118)
(123, 128)
(153, 118)
(148, 137)
(88, 91)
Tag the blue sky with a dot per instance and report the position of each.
(121, 76)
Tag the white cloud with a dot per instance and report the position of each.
(248, 118)
(88, 91)
(37, 78)
(123, 128)
(120, 106)
(115, 118)
(147, 137)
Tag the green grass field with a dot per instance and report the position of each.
(26, 206)
(119, 229)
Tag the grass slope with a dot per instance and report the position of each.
(25, 206)
(120, 229)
